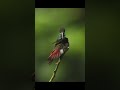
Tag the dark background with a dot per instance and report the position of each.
(17, 45)
(102, 45)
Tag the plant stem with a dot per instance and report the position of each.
(55, 70)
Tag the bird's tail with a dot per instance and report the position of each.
(53, 55)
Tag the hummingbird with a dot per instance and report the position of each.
(61, 46)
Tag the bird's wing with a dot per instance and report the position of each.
(55, 53)
(57, 41)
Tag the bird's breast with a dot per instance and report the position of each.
(61, 51)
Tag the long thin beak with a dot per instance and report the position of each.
(62, 34)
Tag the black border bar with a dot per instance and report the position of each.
(59, 4)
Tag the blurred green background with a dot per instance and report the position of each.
(47, 23)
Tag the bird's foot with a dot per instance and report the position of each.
(57, 62)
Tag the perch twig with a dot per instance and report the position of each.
(55, 70)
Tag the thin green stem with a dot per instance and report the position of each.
(55, 70)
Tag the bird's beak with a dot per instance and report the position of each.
(62, 34)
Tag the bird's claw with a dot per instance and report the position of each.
(56, 62)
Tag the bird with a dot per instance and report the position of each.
(61, 46)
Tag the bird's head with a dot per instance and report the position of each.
(62, 32)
